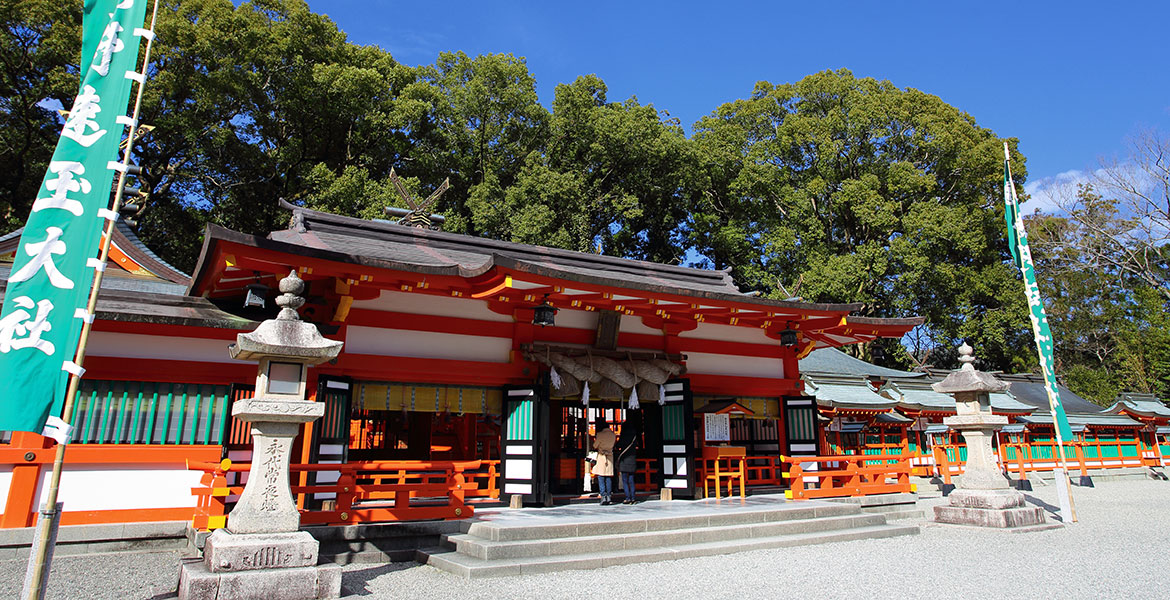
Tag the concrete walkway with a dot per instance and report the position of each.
(1117, 550)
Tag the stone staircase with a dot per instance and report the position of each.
(894, 507)
(587, 537)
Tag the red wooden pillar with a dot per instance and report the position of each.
(791, 371)
(20, 509)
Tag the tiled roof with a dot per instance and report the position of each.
(162, 309)
(1097, 420)
(919, 396)
(388, 245)
(847, 393)
(1029, 389)
(836, 362)
(1139, 404)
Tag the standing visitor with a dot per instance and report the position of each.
(627, 462)
(603, 443)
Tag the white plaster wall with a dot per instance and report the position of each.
(633, 324)
(426, 304)
(134, 345)
(577, 319)
(5, 483)
(729, 333)
(426, 344)
(98, 487)
(701, 363)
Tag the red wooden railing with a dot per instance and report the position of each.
(842, 476)
(1081, 456)
(365, 492)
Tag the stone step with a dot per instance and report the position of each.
(485, 549)
(75, 540)
(649, 517)
(909, 513)
(472, 567)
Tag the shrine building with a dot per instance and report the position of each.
(456, 348)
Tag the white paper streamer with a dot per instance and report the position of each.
(73, 368)
(585, 394)
(144, 33)
(57, 429)
(661, 394)
(107, 214)
(135, 76)
(554, 378)
(634, 397)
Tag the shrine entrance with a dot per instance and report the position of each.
(575, 426)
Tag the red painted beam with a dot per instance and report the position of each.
(171, 371)
(742, 386)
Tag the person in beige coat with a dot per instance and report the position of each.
(603, 443)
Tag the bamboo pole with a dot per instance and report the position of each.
(42, 542)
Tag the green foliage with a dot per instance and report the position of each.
(842, 189)
(833, 188)
(38, 73)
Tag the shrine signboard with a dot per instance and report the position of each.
(717, 427)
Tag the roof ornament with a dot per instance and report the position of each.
(419, 214)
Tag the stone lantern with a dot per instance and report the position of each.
(982, 494)
(261, 553)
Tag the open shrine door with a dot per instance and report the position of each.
(678, 439)
(524, 444)
(330, 443)
(800, 428)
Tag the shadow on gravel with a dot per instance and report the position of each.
(1053, 511)
(353, 583)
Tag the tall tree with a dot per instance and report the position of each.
(480, 121)
(614, 175)
(844, 189)
(1134, 234)
(1110, 326)
(255, 103)
(38, 74)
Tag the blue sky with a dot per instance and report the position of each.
(1070, 79)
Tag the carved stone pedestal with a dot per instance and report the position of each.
(989, 508)
(272, 566)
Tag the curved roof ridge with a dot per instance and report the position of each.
(308, 216)
(167, 271)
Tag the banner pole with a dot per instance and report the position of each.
(39, 558)
(1067, 508)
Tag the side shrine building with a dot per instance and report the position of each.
(456, 348)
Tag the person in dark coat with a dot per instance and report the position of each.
(627, 462)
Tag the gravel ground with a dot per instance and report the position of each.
(1117, 550)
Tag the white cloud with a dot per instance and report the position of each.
(1048, 193)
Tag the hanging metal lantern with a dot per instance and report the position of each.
(544, 314)
(255, 297)
(789, 338)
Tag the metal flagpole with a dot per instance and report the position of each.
(1025, 259)
(37, 578)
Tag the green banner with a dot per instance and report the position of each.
(47, 291)
(1018, 243)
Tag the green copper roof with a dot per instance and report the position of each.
(847, 393)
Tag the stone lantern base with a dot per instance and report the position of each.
(267, 566)
(1001, 508)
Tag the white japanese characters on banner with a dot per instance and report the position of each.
(52, 271)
